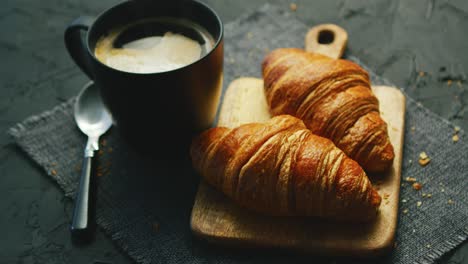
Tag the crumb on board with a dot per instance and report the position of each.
(421, 74)
(410, 179)
(404, 201)
(53, 172)
(428, 246)
(419, 203)
(410, 161)
(442, 190)
(455, 138)
(413, 128)
(429, 195)
(424, 195)
(417, 186)
(405, 211)
(456, 129)
(293, 7)
(377, 184)
(450, 201)
(449, 82)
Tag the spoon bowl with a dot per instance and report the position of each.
(91, 116)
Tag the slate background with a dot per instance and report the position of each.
(399, 39)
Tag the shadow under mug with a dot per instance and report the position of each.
(157, 113)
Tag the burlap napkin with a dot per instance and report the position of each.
(144, 204)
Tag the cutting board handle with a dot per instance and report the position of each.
(326, 39)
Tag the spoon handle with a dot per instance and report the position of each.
(81, 223)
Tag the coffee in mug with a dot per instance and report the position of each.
(159, 69)
(154, 45)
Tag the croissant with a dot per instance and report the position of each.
(334, 99)
(281, 168)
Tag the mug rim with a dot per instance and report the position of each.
(215, 46)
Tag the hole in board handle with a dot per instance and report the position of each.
(326, 37)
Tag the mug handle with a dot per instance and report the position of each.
(75, 43)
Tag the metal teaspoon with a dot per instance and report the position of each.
(93, 120)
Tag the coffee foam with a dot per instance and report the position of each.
(150, 54)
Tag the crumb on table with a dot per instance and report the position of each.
(417, 186)
(293, 7)
(424, 159)
(410, 179)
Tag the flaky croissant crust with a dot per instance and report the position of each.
(334, 99)
(281, 168)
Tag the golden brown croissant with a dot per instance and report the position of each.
(334, 99)
(281, 168)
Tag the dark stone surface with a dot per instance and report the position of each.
(399, 39)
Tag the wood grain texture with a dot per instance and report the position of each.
(217, 219)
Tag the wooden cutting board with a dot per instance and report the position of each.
(217, 219)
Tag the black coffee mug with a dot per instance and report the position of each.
(158, 113)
